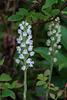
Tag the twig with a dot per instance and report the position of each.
(63, 15)
(13, 13)
(43, 22)
(5, 24)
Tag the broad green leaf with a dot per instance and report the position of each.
(40, 83)
(63, 0)
(7, 93)
(62, 64)
(5, 77)
(52, 95)
(23, 11)
(54, 12)
(1, 62)
(15, 17)
(49, 3)
(64, 36)
(47, 72)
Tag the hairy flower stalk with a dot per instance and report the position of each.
(53, 42)
(25, 50)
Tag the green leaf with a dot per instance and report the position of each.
(23, 11)
(7, 93)
(62, 64)
(45, 18)
(40, 83)
(46, 13)
(16, 84)
(64, 36)
(36, 16)
(15, 17)
(1, 62)
(42, 78)
(49, 3)
(64, 12)
(45, 86)
(9, 85)
(53, 88)
(54, 12)
(47, 73)
(44, 53)
(52, 95)
(59, 93)
(5, 77)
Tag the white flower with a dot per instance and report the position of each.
(31, 42)
(32, 53)
(52, 38)
(50, 48)
(25, 51)
(48, 42)
(31, 65)
(18, 48)
(59, 46)
(29, 26)
(50, 26)
(17, 61)
(26, 45)
(18, 41)
(55, 45)
(49, 53)
(57, 25)
(52, 23)
(54, 31)
(57, 19)
(23, 22)
(32, 62)
(21, 38)
(28, 60)
(49, 33)
(27, 41)
(56, 51)
(21, 27)
(24, 34)
(30, 37)
(28, 31)
(23, 68)
(19, 31)
(55, 59)
(23, 44)
(21, 56)
(26, 24)
(30, 48)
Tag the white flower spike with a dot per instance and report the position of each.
(25, 45)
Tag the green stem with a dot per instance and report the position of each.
(25, 83)
(55, 98)
(51, 68)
